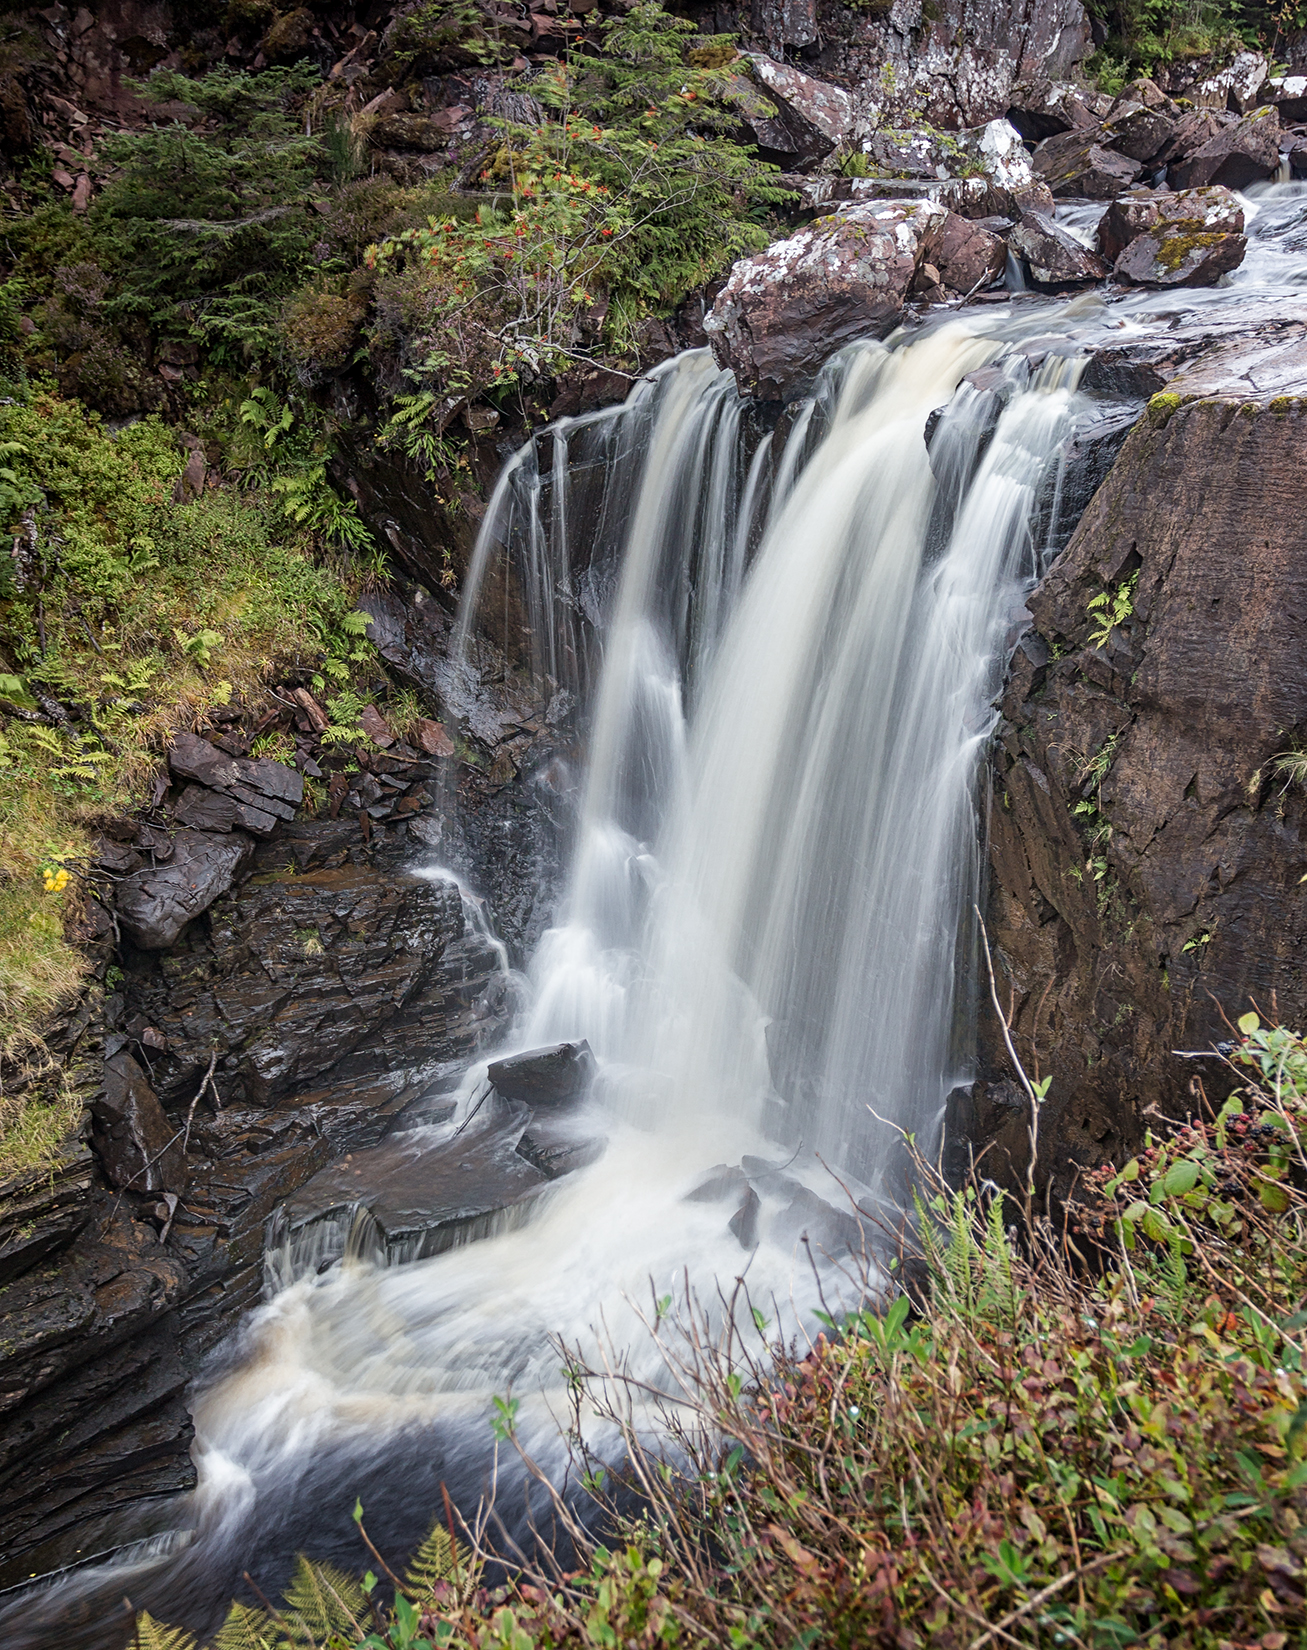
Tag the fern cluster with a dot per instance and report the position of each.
(323, 1608)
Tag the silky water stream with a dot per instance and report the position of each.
(786, 645)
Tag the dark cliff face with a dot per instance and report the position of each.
(332, 989)
(1145, 841)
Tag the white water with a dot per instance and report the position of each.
(766, 934)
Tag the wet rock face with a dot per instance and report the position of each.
(545, 1076)
(122, 1271)
(155, 905)
(137, 1146)
(1145, 850)
(294, 972)
(784, 312)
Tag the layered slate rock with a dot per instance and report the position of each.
(426, 1190)
(784, 312)
(114, 1296)
(295, 972)
(136, 1144)
(156, 904)
(1121, 949)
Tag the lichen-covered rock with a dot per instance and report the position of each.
(784, 311)
(1190, 238)
(1170, 255)
(1139, 132)
(811, 117)
(1288, 95)
(1236, 86)
(1054, 258)
(1204, 211)
(1242, 152)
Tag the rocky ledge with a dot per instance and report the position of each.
(287, 987)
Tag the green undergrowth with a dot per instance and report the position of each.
(126, 612)
(1093, 1436)
(1145, 37)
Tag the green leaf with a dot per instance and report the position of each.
(1180, 1178)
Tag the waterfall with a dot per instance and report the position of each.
(769, 908)
(784, 646)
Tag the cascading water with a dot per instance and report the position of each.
(769, 902)
(765, 935)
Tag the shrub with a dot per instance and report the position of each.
(634, 191)
(1022, 1452)
(210, 219)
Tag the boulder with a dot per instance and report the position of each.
(1148, 93)
(1191, 238)
(783, 312)
(139, 1149)
(965, 255)
(545, 1076)
(1241, 153)
(981, 198)
(1054, 258)
(811, 117)
(1236, 87)
(154, 905)
(1080, 164)
(1006, 168)
(1203, 211)
(1138, 132)
(1287, 94)
(1170, 255)
(1060, 107)
(1194, 128)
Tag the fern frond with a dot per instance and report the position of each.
(435, 1561)
(322, 1600)
(248, 1629)
(157, 1635)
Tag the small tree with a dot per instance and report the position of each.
(212, 211)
